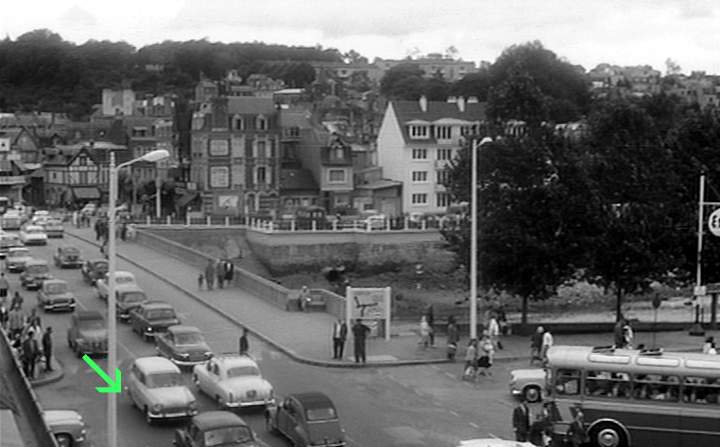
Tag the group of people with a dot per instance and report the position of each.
(540, 342)
(360, 332)
(540, 431)
(221, 270)
(479, 356)
(709, 346)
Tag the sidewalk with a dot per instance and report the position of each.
(306, 337)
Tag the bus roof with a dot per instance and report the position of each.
(631, 360)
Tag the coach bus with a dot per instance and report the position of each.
(637, 398)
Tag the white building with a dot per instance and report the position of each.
(417, 141)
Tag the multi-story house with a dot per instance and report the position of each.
(12, 171)
(234, 159)
(416, 142)
(432, 65)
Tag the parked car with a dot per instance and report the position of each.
(183, 345)
(16, 259)
(35, 272)
(8, 241)
(307, 419)
(68, 427)
(121, 277)
(94, 269)
(33, 235)
(67, 256)
(154, 385)
(127, 298)
(152, 318)
(11, 220)
(54, 228)
(530, 383)
(375, 222)
(87, 333)
(216, 428)
(54, 295)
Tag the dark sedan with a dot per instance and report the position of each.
(216, 428)
(183, 345)
(152, 318)
(307, 419)
(94, 269)
(67, 256)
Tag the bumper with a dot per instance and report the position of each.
(36, 242)
(14, 268)
(92, 351)
(174, 415)
(59, 306)
(251, 403)
(55, 234)
(73, 264)
(179, 362)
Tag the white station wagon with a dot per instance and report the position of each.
(234, 381)
(155, 387)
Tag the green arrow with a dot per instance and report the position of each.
(114, 386)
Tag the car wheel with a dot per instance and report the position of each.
(64, 440)
(533, 394)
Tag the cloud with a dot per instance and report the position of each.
(77, 17)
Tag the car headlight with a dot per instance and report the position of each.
(208, 354)
(149, 328)
(157, 408)
(184, 355)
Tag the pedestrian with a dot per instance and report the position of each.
(34, 319)
(424, 332)
(536, 345)
(547, 342)
(304, 298)
(453, 337)
(628, 335)
(97, 228)
(521, 421)
(29, 354)
(220, 273)
(17, 300)
(712, 350)
(502, 321)
(16, 321)
(494, 331)
(708, 344)
(123, 231)
(360, 332)
(201, 280)
(618, 337)
(486, 354)
(577, 433)
(243, 343)
(229, 271)
(210, 274)
(4, 286)
(470, 368)
(4, 315)
(430, 317)
(47, 348)
(339, 335)
(541, 429)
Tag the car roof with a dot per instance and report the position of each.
(156, 305)
(231, 359)
(155, 364)
(89, 314)
(65, 247)
(12, 249)
(36, 262)
(183, 329)
(128, 287)
(208, 420)
(54, 281)
(119, 273)
(313, 399)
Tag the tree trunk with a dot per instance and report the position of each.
(524, 310)
(618, 303)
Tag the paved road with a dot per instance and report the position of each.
(408, 406)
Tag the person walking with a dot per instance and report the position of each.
(628, 335)
(47, 348)
(220, 273)
(430, 318)
(339, 335)
(201, 280)
(17, 300)
(229, 269)
(494, 331)
(4, 315)
(618, 336)
(547, 342)
(304, 298)
(708, 344)
(360, 332)
(424, 332)
(521, 421)
(486, 354)
(470, 369)
(453, 337)
(16, 321)
(536, 341)
(29, 354)
(243, 343)
(210, 274)
(577, 433)
(4, 286)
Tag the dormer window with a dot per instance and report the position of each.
(443, 132)
(261, 123)
(418, 131)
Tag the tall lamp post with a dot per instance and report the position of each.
(473, 236)
(112, 322)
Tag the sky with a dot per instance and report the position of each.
(585, 32)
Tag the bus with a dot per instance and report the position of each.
(636, 398)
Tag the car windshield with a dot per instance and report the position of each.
(101, 266)
(240, 371)
(92, 324)
(34, 231)
(19, 253)
(53, 222)
(166, 379)
(132, 297)
(123, 279)
(191, 338)
(56, 287)
(227, 435)
(321, 414)
(37, 269)
(160, 314)
(70, 251)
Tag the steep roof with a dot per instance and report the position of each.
(408, 111)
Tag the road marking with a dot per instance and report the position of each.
(454, 413)
(474, 425)
(451, 375)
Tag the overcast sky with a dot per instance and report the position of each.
(586, 32)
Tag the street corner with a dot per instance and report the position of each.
(45, 377)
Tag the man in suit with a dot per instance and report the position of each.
(521, 421)
(339, 336)
(47, 348)
(30, 350)
(360, 332)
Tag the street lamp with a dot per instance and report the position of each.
(473, 236)
(112, 322)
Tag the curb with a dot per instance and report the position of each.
(287, 351)
(57, 376)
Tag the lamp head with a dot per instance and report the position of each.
(485, 140)
(156, 155)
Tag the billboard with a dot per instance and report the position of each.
(371, 303)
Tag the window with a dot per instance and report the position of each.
(261, 123)
(443, 177)
(468, 130)
(419, 154)
(656, 387)
(567, 382)
(419, 199)
(82, 161)
(261, 175)
(336, 176)
(443, 132)
(418, 132)
(419, 176)
(444, 154)
(442, 199)
(607, 384)
(701, 390)
(261, 150)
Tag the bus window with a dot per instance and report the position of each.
(701, 390)
(567, 382)
(656, 387)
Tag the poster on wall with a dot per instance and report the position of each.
(370, 304)
(219, 148)
(228, 202)
(219, 177)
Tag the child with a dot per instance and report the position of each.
(201, 280)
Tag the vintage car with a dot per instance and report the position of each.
(216, 428)
(33, 235)
(152, 318)
(8, 241)
(121, 277)
(35, 272)
(493, 442)
(183, 345)
(67, 256)
(87, 333)
(234, 381)
(11, 221)
(529, 383)
(307, 419)
(16, 259)
(68, 427)
(127, 298)
(54, 295)
(94, 269)
(154, 385)
(54, 227)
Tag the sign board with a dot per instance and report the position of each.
(700, 291)
(368, 304)
(714, 222)
(228, 201)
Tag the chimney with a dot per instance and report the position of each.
(461, 104)
(423, 103)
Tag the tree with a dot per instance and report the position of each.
(403, 81)
(672, 68)
(473, 84)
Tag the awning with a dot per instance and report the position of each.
(183, 201)
(86, 193)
